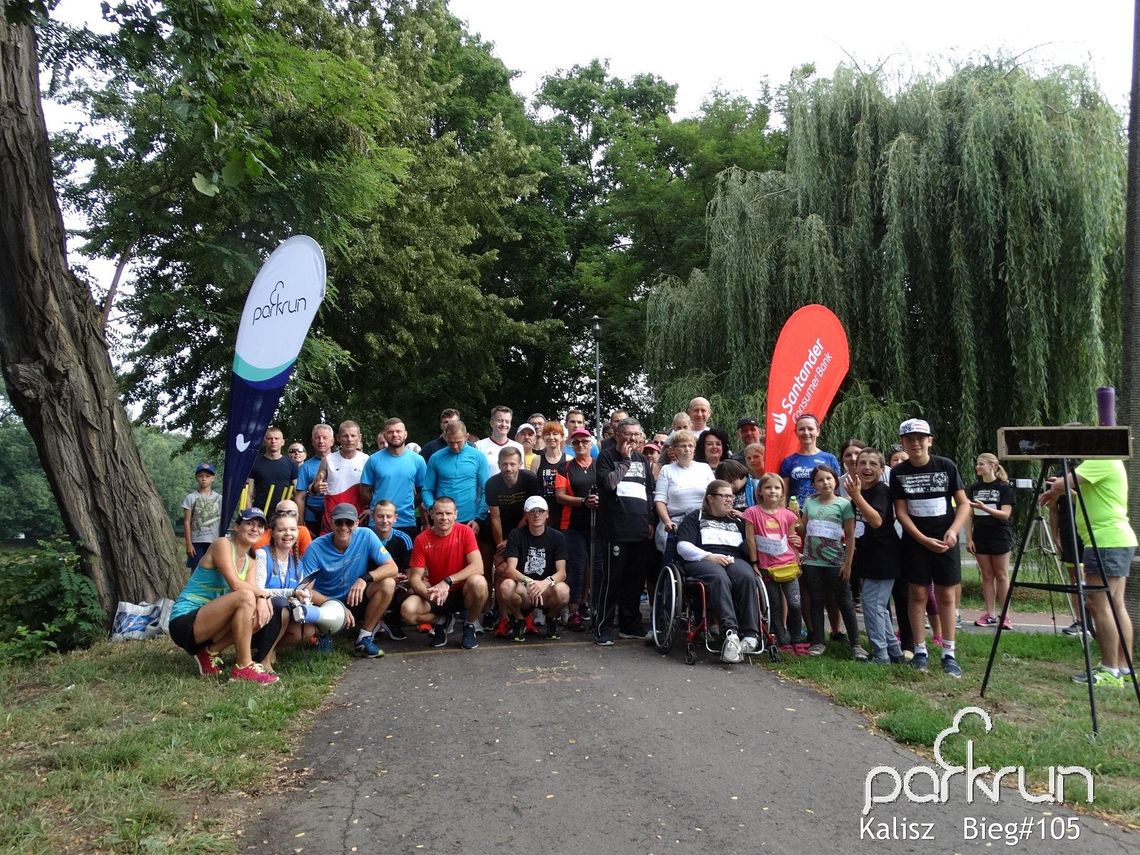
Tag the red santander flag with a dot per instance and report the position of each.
(810, 361)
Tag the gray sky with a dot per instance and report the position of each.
(734, 45)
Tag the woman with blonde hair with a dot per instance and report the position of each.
(991, 534)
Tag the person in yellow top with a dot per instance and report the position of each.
(1104, 491)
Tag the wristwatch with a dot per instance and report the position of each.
(447, 581)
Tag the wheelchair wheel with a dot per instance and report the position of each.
(666, 603)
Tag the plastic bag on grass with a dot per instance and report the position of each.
(140, 621)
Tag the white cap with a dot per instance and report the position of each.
(534, 503)
(915, 426)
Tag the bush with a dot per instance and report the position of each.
(46, 604)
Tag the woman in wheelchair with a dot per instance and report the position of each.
(711, 544)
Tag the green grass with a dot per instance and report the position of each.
(1040, 717)
(124, 748)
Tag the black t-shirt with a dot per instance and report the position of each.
(718, 535)
(277, 475)
(536, 554)
(546, 473)
(877, 549)
(995, 494)
(928, 491)
(510, 500)
(580, 482)
(399, 546)
(624, 510)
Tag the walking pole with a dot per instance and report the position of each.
(587, 587)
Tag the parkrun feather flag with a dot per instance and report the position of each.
(278, 312)
(810, 361)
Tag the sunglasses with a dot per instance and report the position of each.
(579, 442)
(724, 495)
(284, 513)
(342, 523)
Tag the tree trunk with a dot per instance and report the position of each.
(1131, 310)
(56, 366)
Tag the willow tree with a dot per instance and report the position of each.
(967, 231)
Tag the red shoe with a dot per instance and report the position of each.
(531, 629)
(503, 628)
(209, 664)
(801, 649)
(426, 627)
(575, 623)
(254, 673)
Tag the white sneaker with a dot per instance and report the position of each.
(749, 645)
(730, 652)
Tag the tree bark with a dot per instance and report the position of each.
(56, 366)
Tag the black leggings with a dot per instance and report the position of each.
(819, 579)
(265, 638)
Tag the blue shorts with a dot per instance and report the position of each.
(1117, 560)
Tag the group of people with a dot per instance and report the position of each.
(550, 527)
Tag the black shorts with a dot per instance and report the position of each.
(993, 543)
(181, 631)
(921, 566)
(451, 605)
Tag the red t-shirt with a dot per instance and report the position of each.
(445, 555)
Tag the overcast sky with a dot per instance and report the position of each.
(735, 45)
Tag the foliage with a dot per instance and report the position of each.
(95, 733)
(967, 232)
(46, 605)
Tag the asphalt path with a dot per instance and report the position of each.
(566, 747)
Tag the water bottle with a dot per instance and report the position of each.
(794, 505)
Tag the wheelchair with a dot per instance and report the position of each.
(680, 606)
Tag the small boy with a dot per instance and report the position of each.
(201, 515)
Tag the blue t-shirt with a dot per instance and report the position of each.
(337, 571)
(395, 478)
(797, 469)
(463, 475)
(314, 504)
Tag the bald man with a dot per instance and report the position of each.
(700, 414)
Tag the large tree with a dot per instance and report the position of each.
(55, 362)
(967, 231)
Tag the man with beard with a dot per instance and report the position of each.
(395, 474)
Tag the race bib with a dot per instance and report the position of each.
(721, 536)
(859, 528)
(824, 529)
(771, 545)
(978, 512)
(632, 490)
(927, 507)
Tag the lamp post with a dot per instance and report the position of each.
(596, 332)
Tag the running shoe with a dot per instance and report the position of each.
(801, 649)
(254, 673)
(1075, 628)
(920, 662)
(518, 630)
(470, 637)
(604, 640)
(576, 623)
(817, 649)
(898, 660)
(951, 667)
(985, 619)
(787, 649)
(749, 645)
(860, 654)
(1101, 676)
(209, 664)
(503, 628)
(1007, 624)
(634, 632)
(731, 651)
(438, 636)
(958, 619)
(530, 626)
(937, 641)
(425, 627)
(323, 643)
(366, 647)
(552, 629)
(393, 631)
(839, 636)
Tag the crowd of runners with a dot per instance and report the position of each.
(543, 528)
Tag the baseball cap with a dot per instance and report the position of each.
(915, 426)
(252, 514)
(653, 446)
(204, 467)
(746, 421)
(580, 432)
(535, 503)
(345, 511)
(526, 426)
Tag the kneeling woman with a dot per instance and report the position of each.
(221, 605)
(711, 543)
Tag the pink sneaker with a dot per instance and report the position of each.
(1007, 624)
(937, 640)
(254, 673)
(209, 664)
(984, 620)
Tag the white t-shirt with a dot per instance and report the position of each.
(490, 449)
(682, 489)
